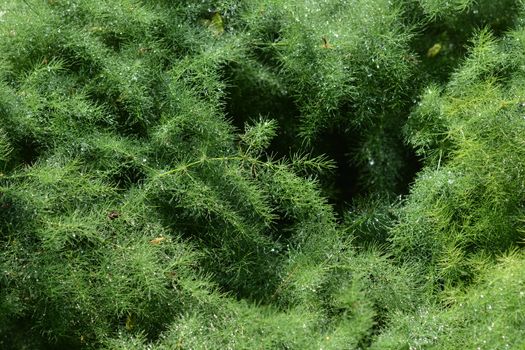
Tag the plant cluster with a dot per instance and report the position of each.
(269, 174)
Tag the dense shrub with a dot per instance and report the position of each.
(467, 205)
(261, 174)
(489, 315)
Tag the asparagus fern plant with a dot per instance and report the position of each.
(269, 174)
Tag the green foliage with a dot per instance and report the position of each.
(437, 8)
(467, 204)
(448, 27)
(340, 66)
(487, 316)
(235, 174)
(370, 220)
(343, 316)
(5, 148)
